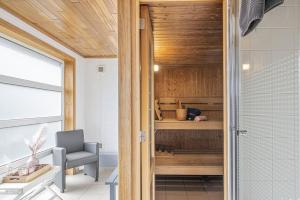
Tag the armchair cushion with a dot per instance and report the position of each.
(72, 141)
(80, 158)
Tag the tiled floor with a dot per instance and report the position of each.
(81, 187)
(189, 188)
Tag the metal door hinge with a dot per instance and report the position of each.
(241, 132)
(142, 23)
(142, 136)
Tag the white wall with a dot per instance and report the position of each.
(80, 62)
(101, 103)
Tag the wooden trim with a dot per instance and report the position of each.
(135, 100)
(129, 100)
(27, 21)
(69, 95)
(69, 70)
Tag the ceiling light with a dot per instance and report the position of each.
(156, 68)
(246, 66)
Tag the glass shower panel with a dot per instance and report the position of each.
(268, 154)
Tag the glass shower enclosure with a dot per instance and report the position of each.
(268, 145)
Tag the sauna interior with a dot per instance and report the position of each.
(188, 60)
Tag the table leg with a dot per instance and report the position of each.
(112, 192)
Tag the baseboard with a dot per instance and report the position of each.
(108, 159)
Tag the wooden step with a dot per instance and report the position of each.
(189, 164)
(188, 170)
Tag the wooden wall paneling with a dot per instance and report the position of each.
(129, 100)
(86, 27)
(146, 102)
(69, 74)
(189, 82)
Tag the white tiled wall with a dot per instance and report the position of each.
(269, 107)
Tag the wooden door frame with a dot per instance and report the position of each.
(129, 96)
(147, 101)
(225, 101)
(129, 100)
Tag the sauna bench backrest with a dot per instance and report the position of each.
(204, 104)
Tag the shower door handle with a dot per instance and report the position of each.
(242, 132)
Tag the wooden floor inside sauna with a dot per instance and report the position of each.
(189, 188)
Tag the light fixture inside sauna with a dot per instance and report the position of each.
(246, 67)
(156, 68)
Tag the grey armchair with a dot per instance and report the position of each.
(71, 151)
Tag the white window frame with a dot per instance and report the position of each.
(37, 120)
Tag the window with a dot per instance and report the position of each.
(31, 95)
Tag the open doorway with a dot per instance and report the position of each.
(182, 86)
(137, 143)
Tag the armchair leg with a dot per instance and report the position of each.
(92, 170)
(60, 180)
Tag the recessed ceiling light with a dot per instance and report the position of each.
(246, 66)
(156, 68)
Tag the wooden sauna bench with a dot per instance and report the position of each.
(173, 124)
(168, 106)
(189, 164)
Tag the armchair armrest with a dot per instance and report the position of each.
(59, 156)
(92, 147)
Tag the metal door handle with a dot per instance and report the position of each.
(242, 132)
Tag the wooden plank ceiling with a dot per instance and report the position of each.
(88, 27)
(187, 34)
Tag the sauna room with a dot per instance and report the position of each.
(184, 44)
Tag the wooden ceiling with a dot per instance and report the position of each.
(187, 34)
(88, 27)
